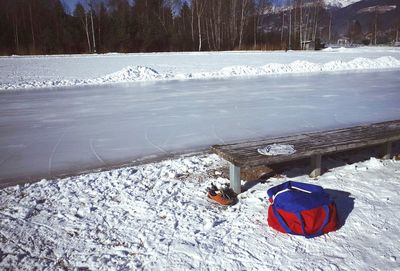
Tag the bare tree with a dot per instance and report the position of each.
(257, 9)
(199, 7)
(243, 19)
(290, 24)
(375, 24)
(81, 14)
(32, 31)
(301, 23)
(330, 27)
(90, 4)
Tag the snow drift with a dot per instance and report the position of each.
(127, 74)
(143, 74)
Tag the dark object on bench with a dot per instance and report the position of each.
(312, 145)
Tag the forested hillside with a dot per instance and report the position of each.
(45, 27)
(100, 26)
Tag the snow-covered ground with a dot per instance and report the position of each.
(26, 72)
(156, 217)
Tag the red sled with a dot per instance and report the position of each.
(301, 209)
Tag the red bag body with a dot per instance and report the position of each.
(297, 208)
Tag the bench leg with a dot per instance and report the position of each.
(387, 150)
(234, 175)
(315, 165)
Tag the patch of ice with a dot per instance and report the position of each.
(277, 149)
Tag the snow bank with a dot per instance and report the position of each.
(143, 74)
(156, 217)
(300, 66)
(128, 74)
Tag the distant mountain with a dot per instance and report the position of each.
(340, 3)
(356, 22)
(332, 3)
(386, 13)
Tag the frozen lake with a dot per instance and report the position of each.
(50, 132)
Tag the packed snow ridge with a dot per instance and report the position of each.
(137, 73)
(143, 74)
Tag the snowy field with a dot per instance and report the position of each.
(26, 72)
(156, 216)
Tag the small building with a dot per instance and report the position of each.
(344, 42)
(308, 45)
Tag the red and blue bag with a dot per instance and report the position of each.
(301, 209)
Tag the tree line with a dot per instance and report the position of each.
(47, 27)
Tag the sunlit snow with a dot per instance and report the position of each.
(67, 71)
(156, 216)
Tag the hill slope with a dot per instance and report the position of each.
(386, 13)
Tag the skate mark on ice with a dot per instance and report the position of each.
(252, 133)
(94, 152)
(307, 123)
(146, 136)
(54, 151)
(335, 117)
(13, 153)
(6, 158)
(216, 135)
(167, 139)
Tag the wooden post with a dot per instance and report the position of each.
(316, 165)
(234, 175)
(387, 150)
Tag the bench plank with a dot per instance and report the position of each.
(312, 144)
(245, 153)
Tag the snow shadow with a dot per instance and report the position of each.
(301, 167)
(250, 184)
(341, 159)
(344, 204)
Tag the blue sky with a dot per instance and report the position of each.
(70, 4)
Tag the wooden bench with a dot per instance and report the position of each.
(312, 145)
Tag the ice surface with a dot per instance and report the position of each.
(47, 132)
